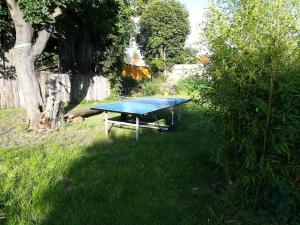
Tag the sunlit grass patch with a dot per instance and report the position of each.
(77, 175)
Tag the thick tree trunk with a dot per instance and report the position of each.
(24, 64)
(26, 52)
(29, 85)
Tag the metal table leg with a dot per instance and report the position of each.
(137, 131)
(179, 113)
(172, 115)
(123, 117)
(106, 123)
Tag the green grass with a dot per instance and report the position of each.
(77, 175)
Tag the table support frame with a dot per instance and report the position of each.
(138, 124)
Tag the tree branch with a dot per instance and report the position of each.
(44, 35)
(41, 41)
(14, 10)
(23, 29)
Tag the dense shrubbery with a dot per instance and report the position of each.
(191, 86)
(143, 87)
(254, 75)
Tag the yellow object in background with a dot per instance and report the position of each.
(136, 72)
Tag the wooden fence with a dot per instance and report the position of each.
(67, 87)
(136, 72)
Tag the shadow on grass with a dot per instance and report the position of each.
(164, 179)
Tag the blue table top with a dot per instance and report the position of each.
(141, 106)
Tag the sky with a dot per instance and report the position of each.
(196, 10)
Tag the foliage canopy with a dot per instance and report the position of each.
(164, 27)
(110, 22)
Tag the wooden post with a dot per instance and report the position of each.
(137, 131)
(105, 123)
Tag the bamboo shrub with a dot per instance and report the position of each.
(254, 79)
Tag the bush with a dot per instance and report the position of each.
(151, 87)
(157, 65)
(254, 79)
(143, 87)
(127, 85)
(192, 86)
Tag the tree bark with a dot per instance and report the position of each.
(86, 112)
(163, 56)
(24, 65)
(29, 85)
(25, 54)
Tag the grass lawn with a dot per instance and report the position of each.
(77, 175)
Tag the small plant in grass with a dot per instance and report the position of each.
(254, 89)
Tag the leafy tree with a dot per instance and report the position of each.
(164, 27)
(254, 80)
(188, 55)
(34, 23)
(139, 6)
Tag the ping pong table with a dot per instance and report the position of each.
(137, 107)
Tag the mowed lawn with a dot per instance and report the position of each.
(78, 176)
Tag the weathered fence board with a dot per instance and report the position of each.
(67, 87)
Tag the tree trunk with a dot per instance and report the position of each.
(24, 64)
(25, 54)
(164, 53)
(29, 85)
